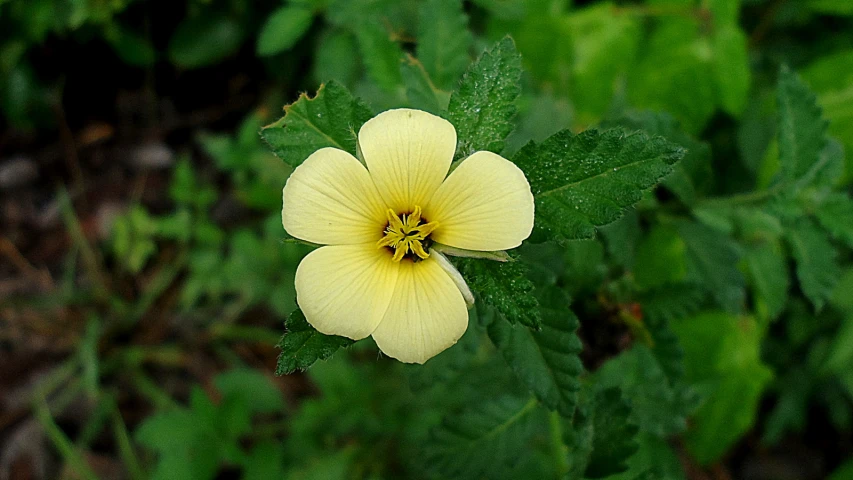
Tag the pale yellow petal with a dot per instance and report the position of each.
(485, 204)
(345, 289)
(330, 199)
(427, 314)
(408, 153)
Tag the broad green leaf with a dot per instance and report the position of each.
(614, 435)
(420, 91)
(443, 41)
(546, 360)
(832, 80)
(133, 48)
(301, 345)
(712, 262)
(502, 286)
(725, 12)
(283, 28)
(483, 105)
(205, 40)
(840, 354)
(722, 353)
(380, 54)
(816, 259)
(331, 119)
(769, 276)
(483, 440)
(591, 179)
(661, 258)
(264, 462)
(835, 214)
(673, 302)
(731, 68)
(802, 129)
(657, 407)
(447, 365)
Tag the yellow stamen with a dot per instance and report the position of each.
(406, 235)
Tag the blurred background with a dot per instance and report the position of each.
(143, 277)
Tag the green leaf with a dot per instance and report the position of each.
(546, 360)
(835, 215)
(845, 471)
(838, 7)
(483, 105)
(205, 40)
(802, 129)
(420, 90)
(722, 353)
(131, 47)
(381, 54)
(815, 256)
(503, 286)
(673, 302)
(614, 435)
(443, 41)
(591, 179)
(331, 119)
(657, 407)
(769, 275)
(712, 262)
(301, 345)
(692, 176)
(483, 440)
(731, 68)
(283, 28)
(251, 386)
(333, 59)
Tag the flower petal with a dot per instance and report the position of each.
(345, 289)
(330, 199)
(427, 314)
(408, 153)
(485, 204)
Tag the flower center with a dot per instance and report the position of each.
(407, 234)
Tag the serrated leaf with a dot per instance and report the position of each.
(768, 273)
(483, 105)
(692, 175)
(331, 119)
(835, 215)
(673, 302)
(591, 179)
(802, 129)
(815, 256)
(712, 262)
(283, 28)
(481, 441)
(547, 360)
(657, 407)
(301, 345)
(443, 41)
(614, 435)
(503, 286)
(381, 54)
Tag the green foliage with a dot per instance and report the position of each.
(283, 29)
(191, 442)
(504, 287)
(722, 356)
(205, 40)
(331, 119)
(483, 106)
(381, 53)
(546, 361)
(483, 440)
(590, 179)
(444, 41)
(613, 434)
(802, 129)
(301, 345)
(817, 268)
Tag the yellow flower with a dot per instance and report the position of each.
(380, 272)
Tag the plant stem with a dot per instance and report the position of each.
(559, 450)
